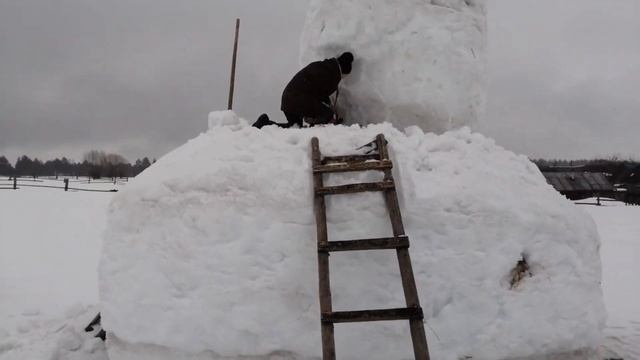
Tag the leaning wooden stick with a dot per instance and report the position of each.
(233, 65)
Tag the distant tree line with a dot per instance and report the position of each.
(95, 164)
(623, 172)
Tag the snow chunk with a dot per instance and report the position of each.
(212, 252)
(417, 62)
(224, 118)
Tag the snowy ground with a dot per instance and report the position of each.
(620, 231)
(50, 243)
(49, 249)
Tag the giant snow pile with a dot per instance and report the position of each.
(211, 252)
(417, 62)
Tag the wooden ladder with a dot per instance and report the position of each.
(399, 242)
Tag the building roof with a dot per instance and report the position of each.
(578, 181)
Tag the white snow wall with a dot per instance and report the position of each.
(212, 251)
(418, 62)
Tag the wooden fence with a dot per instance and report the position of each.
(15, 183)
(630, 197)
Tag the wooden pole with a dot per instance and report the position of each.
(232, 82)
(15, 183)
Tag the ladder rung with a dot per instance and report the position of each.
(355, 188)
(373, 315)
(350, 158)
(366, 244)
(361, 166)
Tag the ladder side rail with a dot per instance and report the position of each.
(418, 336)
(328, 340)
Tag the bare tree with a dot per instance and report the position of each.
(105, 164)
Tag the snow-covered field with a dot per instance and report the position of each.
(50, 244)
(49, 249)
(619, 227)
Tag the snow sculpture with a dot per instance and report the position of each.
(417, 62)
(211, 252)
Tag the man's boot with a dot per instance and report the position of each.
(262, 121)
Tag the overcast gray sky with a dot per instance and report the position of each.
(138, 77)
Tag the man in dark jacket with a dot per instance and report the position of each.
(307, 94)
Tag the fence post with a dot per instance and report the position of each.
(66, 184)
(15, 183)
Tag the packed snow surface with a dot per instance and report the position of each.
(212, 250)
(417, 62)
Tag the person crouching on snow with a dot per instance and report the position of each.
(306, 97)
